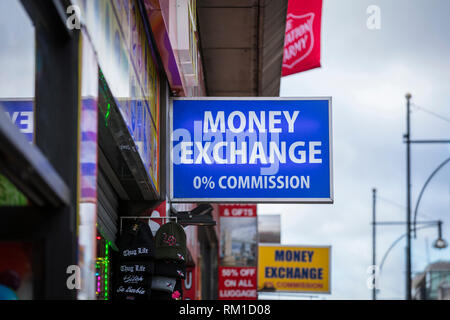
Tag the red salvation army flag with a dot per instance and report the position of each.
(302, 37)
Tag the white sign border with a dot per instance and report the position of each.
(251, 200)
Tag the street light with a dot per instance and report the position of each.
(408, 141)
(440, 243)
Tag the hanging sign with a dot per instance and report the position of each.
(302, 37)
(294, 268)
(238, 249)
(251, 150)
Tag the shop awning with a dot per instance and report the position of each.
(242, 46)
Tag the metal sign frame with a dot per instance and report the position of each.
(329, 200)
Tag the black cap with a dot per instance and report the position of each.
(170, 268)
(171, 242)
(132, 292)
(177, 293)
(135, 280)
(136, 267)
(136, 242)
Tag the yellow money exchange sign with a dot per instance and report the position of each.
(294, 269)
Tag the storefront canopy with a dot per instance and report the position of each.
(242, 46)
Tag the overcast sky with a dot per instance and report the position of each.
(368, 72)
(16, 52)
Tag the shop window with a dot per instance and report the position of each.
(17, 80)
(17, 85)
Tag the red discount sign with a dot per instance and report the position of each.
(302, 37)
(237, 283)
(238, 252)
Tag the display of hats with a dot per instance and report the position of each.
(136, 267)
(171, 242)
(136, 242)
(150, 267)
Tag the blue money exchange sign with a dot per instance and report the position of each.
(251, 150)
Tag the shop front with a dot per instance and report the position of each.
(105, 160)
(83, 135)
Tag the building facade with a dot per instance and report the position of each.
(433, 283)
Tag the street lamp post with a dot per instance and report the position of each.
(408, 141)
(374, 257)
(408, 198)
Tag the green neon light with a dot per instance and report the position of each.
(106, 262)
(108, 112)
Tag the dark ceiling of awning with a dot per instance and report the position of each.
(242, 46)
